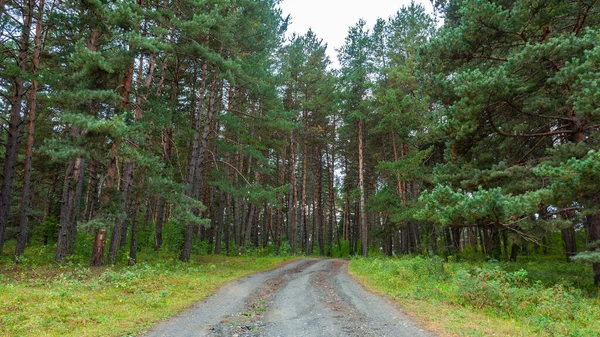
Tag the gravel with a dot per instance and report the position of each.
(308, 297)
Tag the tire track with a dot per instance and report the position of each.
(310, 297)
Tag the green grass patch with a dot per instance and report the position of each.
(75, 300)
(531, 298)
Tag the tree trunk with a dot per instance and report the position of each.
(219, 228)
(111, 180)
(448, 239)
(593, 229)
(303, 204)
(98, 249)
(248, 227)
(25, 198)
(364, 233)
(514, 252)
(192, 165)
(148, 214)
(134, 233)
(319, 211)
(291, 216)
(279, 212)
(227, 226)
(70, 206)
(158, 225)
(119, 228)
(472, 239)
(119, 234)
(568, 236)
(494, 243)
(433, 237)
(480, 232)
(307, 227)
(12, 145)
(200, 160)
(332, 215)
(456, 232)
(91, 200)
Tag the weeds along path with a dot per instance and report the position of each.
(309, 297)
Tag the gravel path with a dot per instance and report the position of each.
(309, 297)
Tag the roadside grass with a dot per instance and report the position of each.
(74, 300)
(535, 297)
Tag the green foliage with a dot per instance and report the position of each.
(409, 168)
(591, 255)
(548, 297)
(114, 300)
(342, 250)
(492, 206)
(511, 115)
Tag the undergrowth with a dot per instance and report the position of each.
(542, 298)
(71, 299)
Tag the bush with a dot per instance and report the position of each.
(342, 251)
(541, 295)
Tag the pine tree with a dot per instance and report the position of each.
(513, 95)
(354, 59)
(19, 69)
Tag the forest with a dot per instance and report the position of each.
(200, 130)
(198, 127)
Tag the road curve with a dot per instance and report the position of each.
(308, 297)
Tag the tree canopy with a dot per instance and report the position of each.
(198, 126)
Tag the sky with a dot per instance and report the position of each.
(330, 19)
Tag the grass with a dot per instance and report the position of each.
(74, 300)
(535, 297)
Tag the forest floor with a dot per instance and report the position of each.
(537, 296)
(73, 300)
(308, 297)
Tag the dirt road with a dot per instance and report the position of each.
(309, 297)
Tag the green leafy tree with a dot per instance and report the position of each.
(513, 105)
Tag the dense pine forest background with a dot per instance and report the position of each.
(195, 126)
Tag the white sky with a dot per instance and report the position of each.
(330, 19)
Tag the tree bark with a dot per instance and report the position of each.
(332, 215)
(12, 141)
(108, 190)
(191, 177)
(279, 212)
(593, 229)
(98, 249)
(514, 252)
(69, 210)
(134, 232)
(364, 233)
(319, 211)
(568, 236)
(303, 205)
(25, 198)
(291, 216)
(166, 155)
(158, 225)
(472, 239)
(456, 232)
(201, 146)
(218, 239)
(91, 200)
(227, 227)
(119, 234)
(346, 231)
